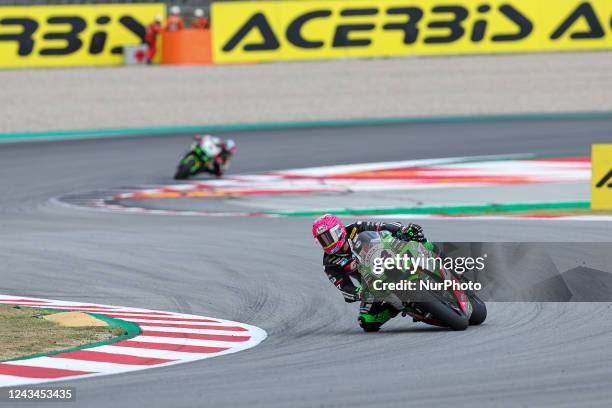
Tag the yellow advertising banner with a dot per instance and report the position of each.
(300, 30)
(45, 36)
(601, 182)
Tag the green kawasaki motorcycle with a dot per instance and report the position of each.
(198, 159)
(415, 282)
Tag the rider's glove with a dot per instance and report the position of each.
(352, 297)
(411, 232)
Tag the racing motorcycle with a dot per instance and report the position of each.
(199, 158)
(450, 305)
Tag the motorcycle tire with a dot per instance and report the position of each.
(479, 310)
(183, 171)
(447, 315)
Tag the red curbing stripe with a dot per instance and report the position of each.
(563, 159)
(96, 309)
(194, 326)
(538, 216)
(103, 357)
(177, 319)
(38, 372)
(107, 311)
(169, 347)
(195, 336)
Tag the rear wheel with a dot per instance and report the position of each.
(217, 170)
(479, 310)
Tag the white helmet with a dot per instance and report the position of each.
(175, 10)
(198, 12)
(158, 19)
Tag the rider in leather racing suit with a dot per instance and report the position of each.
(341, 267)
(221, 151)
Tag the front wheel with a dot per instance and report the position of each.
(184, 169)
(445, 314)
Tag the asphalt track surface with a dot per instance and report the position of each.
(267, 272)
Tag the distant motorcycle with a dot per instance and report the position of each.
(436, 305)
(204, 155)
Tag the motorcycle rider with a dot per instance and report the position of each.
(341, 266)
(220, 151)
(151, 33)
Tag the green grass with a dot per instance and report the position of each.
(23, 331)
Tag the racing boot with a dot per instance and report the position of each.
(373, 315)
